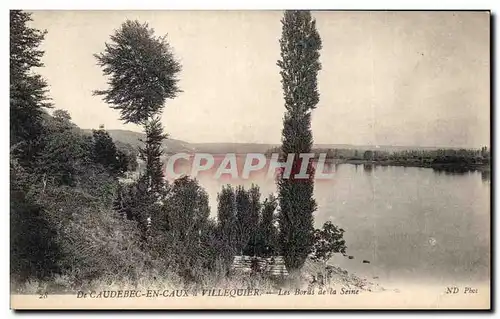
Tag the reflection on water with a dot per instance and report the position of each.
(411, 223)
(486, 176)
(368, 168)
(453, 170)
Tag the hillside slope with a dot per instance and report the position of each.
(170, 145)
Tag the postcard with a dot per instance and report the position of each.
(250, 159)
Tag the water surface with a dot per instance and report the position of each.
(414, 225)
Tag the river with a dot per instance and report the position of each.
(414, 225)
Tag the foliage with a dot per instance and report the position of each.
(188, 209)
(75, 222)
(127, 156)
(104, 152)
(66, 154)
(142, 72)
(254, 211)
(267, 244)
(327, 241)
(408, 156)
(33, 250)
(300, 44)
(60, 203)
(142, 75)
(226, 217)
(95, 242)
(151, 154)
(368, 155)
(180, 224)
(28, 90)
(242, 227)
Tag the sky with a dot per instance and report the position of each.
(387, 78)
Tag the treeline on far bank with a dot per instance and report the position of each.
(443, 157)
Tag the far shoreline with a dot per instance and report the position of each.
(486, 168)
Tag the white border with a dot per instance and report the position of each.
(193, 5)
(252, 5)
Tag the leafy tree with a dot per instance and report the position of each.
(61, 121)
(58, 122)
(300, 44)
(212, 250)
(485, 152)
(66, 156)
(226, 216)
(127, 156)
(268, 234)
(180, 225)
(104, 151)
(253, 220)
(242, 229)
(188, 209)
(28, 90)
(368, 155)
(327, 241)
(142, 72)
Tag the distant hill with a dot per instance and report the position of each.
(217, 148)
(133, 139)
(178, 146)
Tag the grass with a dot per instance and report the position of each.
(337, 278)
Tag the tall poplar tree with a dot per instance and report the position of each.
(300, 44)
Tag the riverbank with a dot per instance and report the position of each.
(313, 275)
